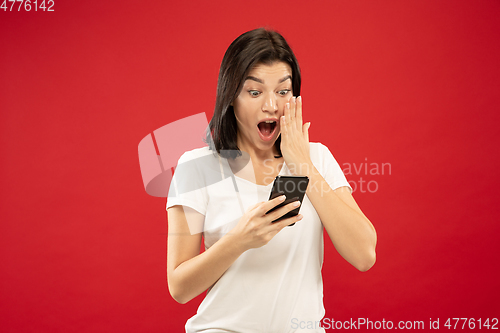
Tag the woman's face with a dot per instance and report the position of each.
(260, 104)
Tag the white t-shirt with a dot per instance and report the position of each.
(275, 288)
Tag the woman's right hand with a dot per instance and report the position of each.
(189, 272)
(256, 228)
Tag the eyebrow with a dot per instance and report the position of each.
(253, 78)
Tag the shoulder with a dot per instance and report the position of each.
(318, 150)
(322, 157)
(195, 153)
(316, 145)
(198, 163)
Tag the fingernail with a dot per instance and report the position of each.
(296, 204)
(294, 98)
(299, 98)
(282, 198)
(299, 217)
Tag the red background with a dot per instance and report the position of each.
(410, 83)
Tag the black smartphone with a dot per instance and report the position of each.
(294, 188)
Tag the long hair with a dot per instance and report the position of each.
(259, 46)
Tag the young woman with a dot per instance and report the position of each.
(260, 276)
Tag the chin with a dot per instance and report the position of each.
(266, 145)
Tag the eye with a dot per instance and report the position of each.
(254, 93)
(284, 92)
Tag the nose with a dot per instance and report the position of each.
(270, 102)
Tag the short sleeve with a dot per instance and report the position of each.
(188, 185)
(331, 169)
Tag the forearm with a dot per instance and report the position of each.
(351, 232)
(199, 273)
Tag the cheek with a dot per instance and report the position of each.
(281, 105)
(241, 113)
(245, 108)
(238, 108)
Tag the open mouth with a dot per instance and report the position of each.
(267, 129)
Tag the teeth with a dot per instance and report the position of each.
(269, 121)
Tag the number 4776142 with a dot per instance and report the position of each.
(28, 5)
(471, 323)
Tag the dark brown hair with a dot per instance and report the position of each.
(259, 46)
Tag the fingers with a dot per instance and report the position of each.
(283, 125)
(254, 206)
(298, 113)
(305, 130)
(286, 222)
(266, 206)
(293, 114)
(292, 109)
(286, 118)
(282, 211)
